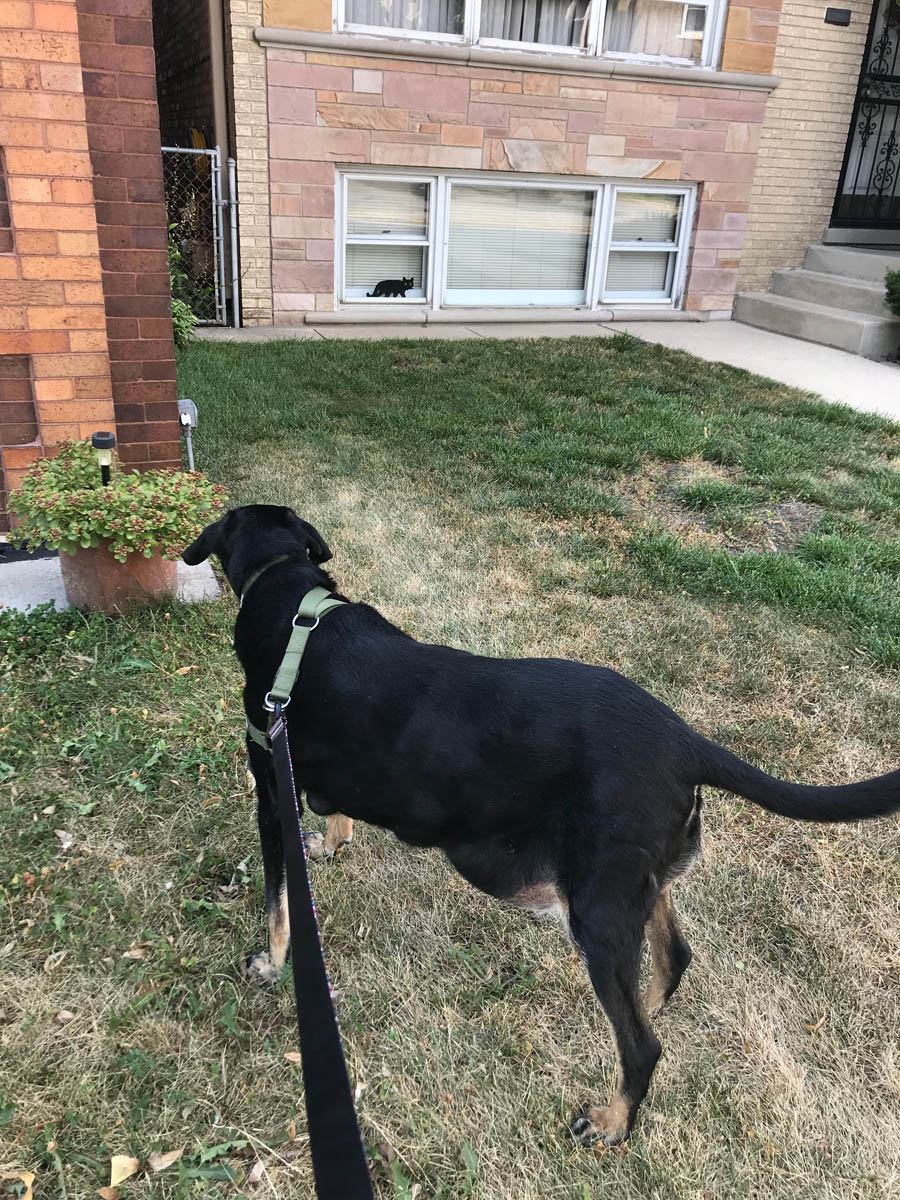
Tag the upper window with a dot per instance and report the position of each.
(674, 30)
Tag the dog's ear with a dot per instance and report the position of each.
(316, 545)
(209, 542)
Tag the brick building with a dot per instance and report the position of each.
(85, 320)
(541, 155)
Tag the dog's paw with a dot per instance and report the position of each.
(316, 850)
(603, 1125)
(259, 970)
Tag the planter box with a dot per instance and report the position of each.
(94, 579)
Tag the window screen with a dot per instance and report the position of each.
(387, 239)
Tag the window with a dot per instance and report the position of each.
(407, 16)
(517, 245)
(686, 31)
(537, 22)
(387, 240)
(482, 241)
(6, 234)
(644, 246)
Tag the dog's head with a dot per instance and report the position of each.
(246, 538)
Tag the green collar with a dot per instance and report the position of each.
(314, 605)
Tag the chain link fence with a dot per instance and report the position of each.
(192, 181)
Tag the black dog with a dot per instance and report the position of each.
(555, 785)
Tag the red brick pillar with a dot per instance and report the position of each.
(123, 135)
(54, 370)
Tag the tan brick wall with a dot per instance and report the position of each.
(51, 295)
(326, 109)
(247, 69)
(803, 137)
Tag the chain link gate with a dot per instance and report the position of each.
(195, 215)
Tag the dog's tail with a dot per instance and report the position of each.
(718, 767)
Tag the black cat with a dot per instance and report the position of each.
(392, 287)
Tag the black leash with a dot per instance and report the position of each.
(338, 1156)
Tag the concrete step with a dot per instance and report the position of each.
(834, 291)
(859, 333)
(857, 262)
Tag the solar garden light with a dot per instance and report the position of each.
(104, 442)
(187, 415)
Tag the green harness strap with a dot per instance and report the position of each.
(314, 605)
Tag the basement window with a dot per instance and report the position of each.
(491, 240)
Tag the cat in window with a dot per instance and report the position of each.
(392, 288)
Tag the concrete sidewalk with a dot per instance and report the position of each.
(833, 374)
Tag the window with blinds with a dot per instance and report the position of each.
(387, 239)
(517, 245)
(644, 246)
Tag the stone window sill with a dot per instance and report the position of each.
(483, 56)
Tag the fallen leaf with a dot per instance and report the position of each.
(48, 811)
(135, 952)
(108, 1193)
(292, 1131)
(63, 1017)
(256, 1171)
(26, 1177)
(818, 1025)
(184, 670)
(66, 840)
(159, 1162)
(122, 1167)
(211, 800)
(387, 1151)
(293, 1056)
(52, 961)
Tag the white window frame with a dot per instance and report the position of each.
(599, 244)
(344, 239)
(593, 48)
(676, 249)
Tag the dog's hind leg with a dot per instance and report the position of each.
(607, 925)
(265, 968)
(670, 953)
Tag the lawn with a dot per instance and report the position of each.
(729, 543)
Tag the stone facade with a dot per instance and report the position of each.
(329, 108)
(803, 137)
(57, 276)
(330, 105)
(250, 133)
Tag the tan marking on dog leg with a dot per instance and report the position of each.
(664, 937)
(659, 935)
(610, 1124)
(279, 931)
(544, 900)
(338, 833)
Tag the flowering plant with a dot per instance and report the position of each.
(63, 504)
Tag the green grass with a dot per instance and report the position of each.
(729, 543)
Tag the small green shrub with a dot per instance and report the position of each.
(892, 291)
(63, 504)
(183, 322)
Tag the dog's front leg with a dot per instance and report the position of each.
(265, 967)
(338, 834)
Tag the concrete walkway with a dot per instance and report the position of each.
(835, 375)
